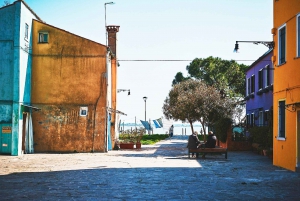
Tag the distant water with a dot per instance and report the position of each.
(178, 129)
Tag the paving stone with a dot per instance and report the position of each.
(156, 172)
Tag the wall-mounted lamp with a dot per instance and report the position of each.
(120, 90)
(269, 44)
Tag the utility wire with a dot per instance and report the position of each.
(176, 60)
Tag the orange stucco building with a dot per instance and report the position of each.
(286, 35)
(74, 91)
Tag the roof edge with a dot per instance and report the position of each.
(25, 4)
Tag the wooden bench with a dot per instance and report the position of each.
(209, 150)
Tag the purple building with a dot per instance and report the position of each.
(259, 90)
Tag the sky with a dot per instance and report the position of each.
(163, 30)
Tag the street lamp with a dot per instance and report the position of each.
(269, 44)
(145, 99)
(105, 19)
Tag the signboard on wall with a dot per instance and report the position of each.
(6, 129)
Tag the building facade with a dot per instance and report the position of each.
(72, 89)
(259, 90)
(57, 90)
(286, 35)
(15, 75)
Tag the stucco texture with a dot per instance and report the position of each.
(68, 72)
(286, 85)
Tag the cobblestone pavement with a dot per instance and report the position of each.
(155, 172)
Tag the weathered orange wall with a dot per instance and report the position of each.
(68, 72)
(112, 31)
(286, 83)
(114, 98)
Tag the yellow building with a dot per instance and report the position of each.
(74, 91)
(286, 35)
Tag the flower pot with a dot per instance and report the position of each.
(138, 145)
(265, 151)
(126, 145)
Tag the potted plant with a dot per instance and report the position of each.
(138, 134)
(125, 140)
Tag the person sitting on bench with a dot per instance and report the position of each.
(193, 143)
(211, 141)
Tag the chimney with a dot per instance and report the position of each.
(112, 38)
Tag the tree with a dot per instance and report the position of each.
(179, 78)
(180, 105)
(193, 100)
(227, 76)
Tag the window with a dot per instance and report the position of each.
(26, 31)
(252, 83)
(266, 117)
(260, 79)
(248, 86)
(267, 76)
(281, 119)
(43, 37)
(83, 111)
(260, 118)
(248, 120)
(282, 45)
(298, 35)
(252, 120)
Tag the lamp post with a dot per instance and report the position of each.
(269, 44)
(145, 99)
(120, 90)
(105, 20)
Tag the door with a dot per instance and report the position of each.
(24, 131)
(109, 147)
(5, 138)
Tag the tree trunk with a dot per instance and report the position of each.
(191, 123)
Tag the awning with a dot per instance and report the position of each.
(30, 106)
(115, 111)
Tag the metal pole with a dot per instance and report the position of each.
(145, 110)
(105, 25)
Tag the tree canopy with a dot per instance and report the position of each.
(227, 76)
(193, 100)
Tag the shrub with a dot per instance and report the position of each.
(221, 127)
(154, 138)
(261, 135)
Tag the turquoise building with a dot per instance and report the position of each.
(16, 134)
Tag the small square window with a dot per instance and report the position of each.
(83, 111)
(43, 37)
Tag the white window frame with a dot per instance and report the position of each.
(83, 111)
(261, 118)
(41, 37)
(279, 44)
(278, 132)
(248, 120)
(266, 119)
(298, 35)
(266, 74)
(26, 31)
